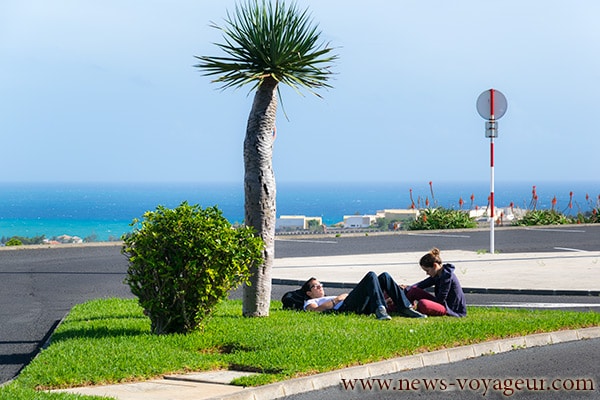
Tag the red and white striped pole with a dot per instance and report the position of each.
(492, 208)
(491, 105)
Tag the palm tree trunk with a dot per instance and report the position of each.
(260, 194)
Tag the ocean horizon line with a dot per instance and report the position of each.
(105, 210)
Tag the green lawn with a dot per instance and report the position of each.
(109, 341)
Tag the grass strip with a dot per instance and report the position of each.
(109, 341)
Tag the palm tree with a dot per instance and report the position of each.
(266, 43)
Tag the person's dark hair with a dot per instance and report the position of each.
(431, 258)
(307, 284)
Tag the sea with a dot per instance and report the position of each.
(105, 211)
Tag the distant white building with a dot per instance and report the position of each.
(359, 221)
(365, 221)
(295, 222)
(504, 214)
(398, 213)
(68, 239)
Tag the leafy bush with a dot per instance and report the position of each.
(14, 242)
(442, 218)
(20, 240)
(543, 217)
(592, 217)
(183, 262)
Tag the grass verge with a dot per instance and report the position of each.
(109, 341)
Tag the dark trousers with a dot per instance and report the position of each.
(387, 284)
(366, 296)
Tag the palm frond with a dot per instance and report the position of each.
(269, 39)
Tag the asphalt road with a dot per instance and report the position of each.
(507, 240)
(561, 371)
(39, 286)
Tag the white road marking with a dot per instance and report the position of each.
(539, 305)
(556, 230)
(569, 249)
(438, 235)
(306, 241)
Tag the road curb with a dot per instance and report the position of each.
(334, 378)
(531, 292)
(534, 292)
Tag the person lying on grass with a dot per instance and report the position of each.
(366, 298)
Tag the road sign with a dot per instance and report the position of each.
(491, 104)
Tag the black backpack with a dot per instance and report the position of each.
(294, 300)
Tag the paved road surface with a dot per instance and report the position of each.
(39, 287)
(562, 366)
(507, 240)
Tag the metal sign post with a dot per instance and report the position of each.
(491, 105)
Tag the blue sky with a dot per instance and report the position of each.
(96, 91)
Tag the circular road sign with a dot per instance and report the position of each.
(491, 104)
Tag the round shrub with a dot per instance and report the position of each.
(184, 261)
(14, 242)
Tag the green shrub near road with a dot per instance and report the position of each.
(20, 240)
(14, 242)
(442, 218)
(183, 261)
(592, 217)
(543, 217)
(553, 217)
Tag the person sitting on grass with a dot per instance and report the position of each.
(366, 298)
(449, 298)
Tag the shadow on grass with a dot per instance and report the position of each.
(96, 333)
(106, 317)
(109, 326)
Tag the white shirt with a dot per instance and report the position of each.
(321, 300)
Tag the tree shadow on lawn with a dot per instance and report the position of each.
(102, 327)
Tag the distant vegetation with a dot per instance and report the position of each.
(533, 216)
(20, 240)
(442, 218)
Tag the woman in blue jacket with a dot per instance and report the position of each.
(449, 298)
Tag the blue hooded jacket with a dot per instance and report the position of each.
(448, 291)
